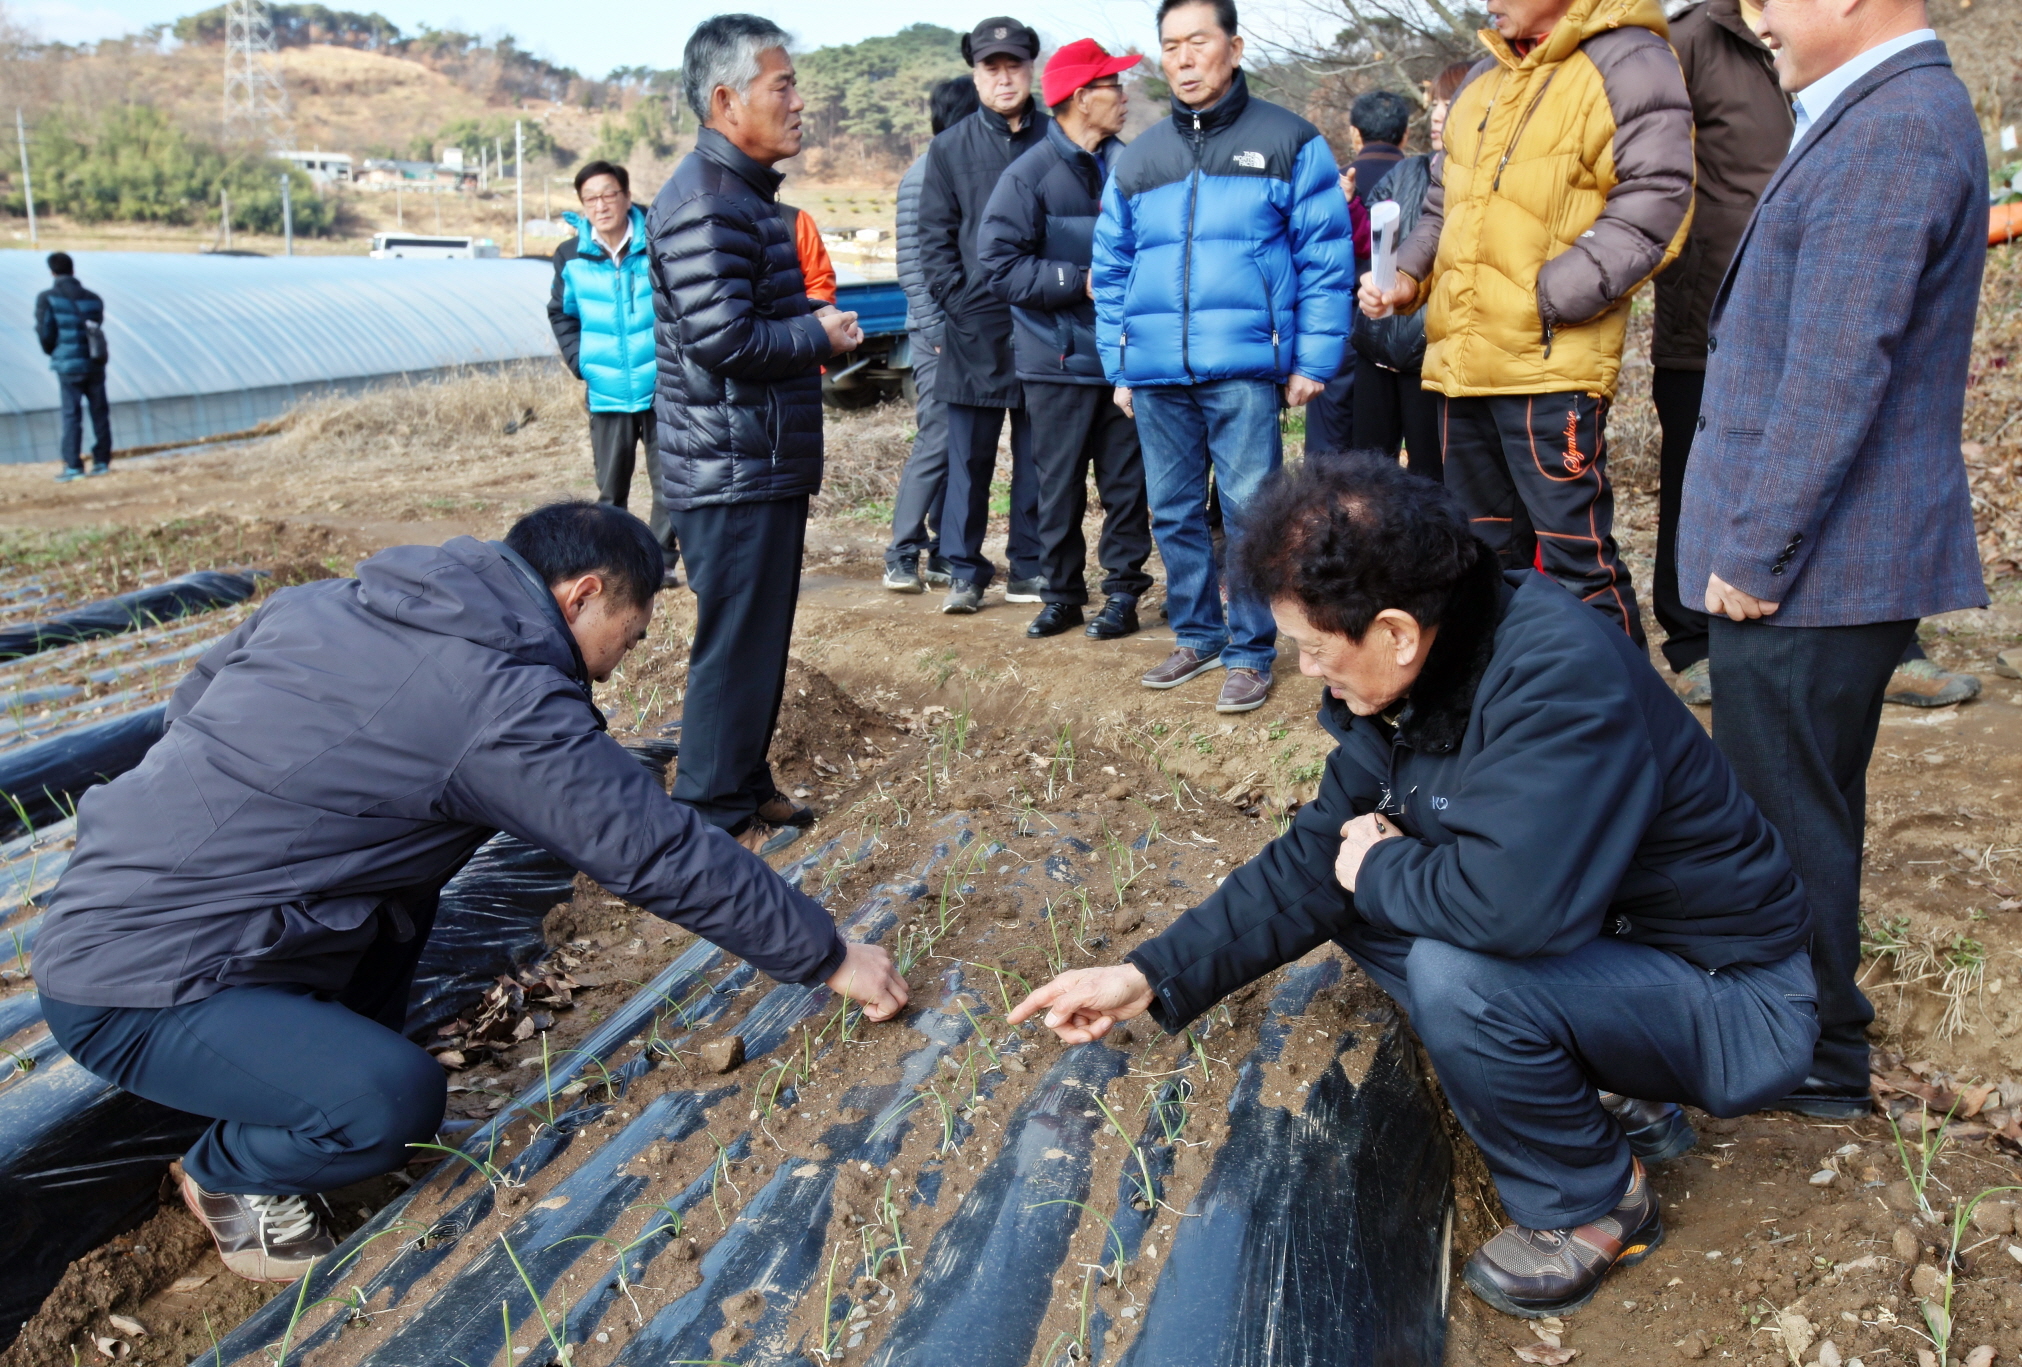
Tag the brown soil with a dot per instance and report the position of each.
(898, 716)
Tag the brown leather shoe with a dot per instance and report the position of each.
(1183, 664)
(781, 810)
(1925, 683)
(1532, 1273)
(1244, 690)
(261, 1238)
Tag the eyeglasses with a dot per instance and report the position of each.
(1111, 83)
(614, 197)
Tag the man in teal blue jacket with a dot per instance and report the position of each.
(602, 313)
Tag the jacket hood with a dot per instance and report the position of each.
(586, 232)
(1218, 115)
(1583, 21)
(1437, 709)
(1727, 14)
(475, 591)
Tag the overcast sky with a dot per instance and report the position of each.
(612, 33)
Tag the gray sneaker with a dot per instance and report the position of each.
(940, 571)
(964, 598)
(1025, 590)
(1695, 684)
(904, 577)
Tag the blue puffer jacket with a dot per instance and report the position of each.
(1224, 250)
(602, 313)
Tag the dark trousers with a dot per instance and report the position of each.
(1677, 394)
(1393, 409)
(743, 564)
(310, 1092)
(1330, 416)
(615, 439)
(1531, 471)
(965, 511)
(1795, 710)
(1076, 428)
(1521, 1044)
(916, 508)
(76, 396)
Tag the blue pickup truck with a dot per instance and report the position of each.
(883, 366)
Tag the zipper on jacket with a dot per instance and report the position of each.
(1271, 310)
(1522, 124)
(1187, 257)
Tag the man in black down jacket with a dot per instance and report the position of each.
(1037, 239)
(738, 411)
(977, 377)
(1529, 842)
(238, 929)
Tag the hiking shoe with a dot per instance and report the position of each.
(1532, 1273)
(69, 474)
(904, 577)
(1822, 1100)
(1183, 664)
(1656, 1130)
(963, 598)
(940, 571)
(1244, 690)
(2008, 664)
(1695, 684)
(1117, 619)
(99, 469)
(1925, 683)
(781, 810)
(1025, 590)
(1053, 619)
(261, 1238)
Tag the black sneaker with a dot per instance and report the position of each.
(1532, 1273)
(1117, 619)
(1821, 1100)
(963, 598)
(1053, 619)
(1656, 1130)
(1025, 590)
(261, 1238)
(904, 577)
(940, 571)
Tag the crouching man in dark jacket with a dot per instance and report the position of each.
(1526, 839)
(237, 932)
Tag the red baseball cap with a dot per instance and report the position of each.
(1080, 62)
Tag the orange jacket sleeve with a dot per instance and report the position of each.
(815, 267)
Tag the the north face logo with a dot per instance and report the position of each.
(1251, 160)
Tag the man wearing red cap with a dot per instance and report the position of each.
(1034, 251)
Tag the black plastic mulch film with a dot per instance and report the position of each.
(1319, 1235)
(196, 592)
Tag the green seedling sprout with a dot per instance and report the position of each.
(981, 1037)
(1112, 1269)
(1056, 956)
(622, 1248)
(887, 1212)
(1938, 1317)
(776, 1074)
(1149, 1189)
(1200, 1054)
(23, 1063)
(564, 1350)
(719, 1175)
(1918, 1170)
(831, 1337)
(493, 1176)
(605, 1080)
(1002, 974)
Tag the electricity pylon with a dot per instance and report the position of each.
(256, 104)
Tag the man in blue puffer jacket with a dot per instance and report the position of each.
(602, 312)
(1223, 268)
(70, 325)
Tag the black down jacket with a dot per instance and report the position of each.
(1550, 789)
(738, 404)
(1037, 240)
(963, 166)
(330, 764)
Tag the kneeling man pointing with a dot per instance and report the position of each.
(1528, 841)
(237, 932)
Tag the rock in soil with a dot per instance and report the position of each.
(722, 1055)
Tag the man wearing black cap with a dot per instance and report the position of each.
(977, 376)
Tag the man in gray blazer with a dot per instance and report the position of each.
(1825, 506)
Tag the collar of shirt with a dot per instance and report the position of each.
(616, 253)
(1810, 103)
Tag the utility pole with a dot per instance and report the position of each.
(256, 105)
(287, 220)
(519, 188)
(27, 185)
(399, 218)
(225, 215)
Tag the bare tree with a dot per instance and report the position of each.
(1326, 52)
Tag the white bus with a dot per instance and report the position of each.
(393, 246)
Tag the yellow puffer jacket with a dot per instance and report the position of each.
(1565, 184)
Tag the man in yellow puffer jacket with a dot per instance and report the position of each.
(1565, 184)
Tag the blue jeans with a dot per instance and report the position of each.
(1521, 1044)
(76, 395)
(1182, 428)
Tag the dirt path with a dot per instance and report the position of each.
(1755, 1231)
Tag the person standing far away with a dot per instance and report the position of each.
(976, 376)
(601, 309)
(1222, 267)
(1742, 123)
(1392, 407)
(738, 411)
(1035, 248)
(70, 325)
(1565, 184)
(916, 510)
(1825, 506)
